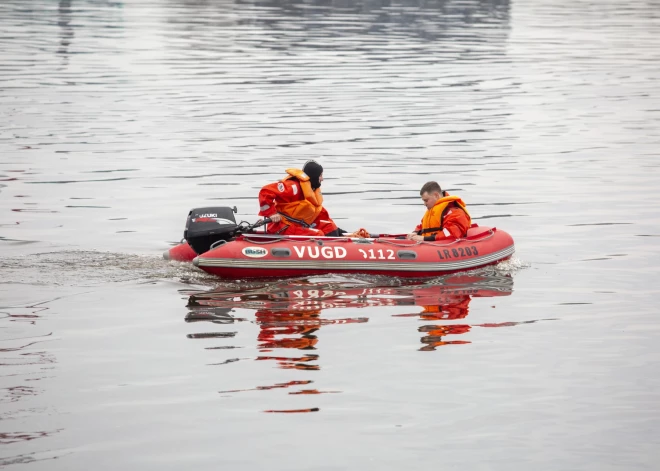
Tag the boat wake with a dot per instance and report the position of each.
(90, 268)
(509, 266)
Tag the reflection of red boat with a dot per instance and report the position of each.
(448, 295)
(289, 313)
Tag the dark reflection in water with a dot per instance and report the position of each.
(66, 30)
(26, 360)
(336, 23)
(424, 19)
(290, 315)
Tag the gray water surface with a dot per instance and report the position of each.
(118, 117)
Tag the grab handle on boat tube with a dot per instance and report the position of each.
(488, 232)
(217, 243)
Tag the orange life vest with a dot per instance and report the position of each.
(433, 218)
(306, 209)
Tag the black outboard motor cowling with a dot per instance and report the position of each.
(205, 226)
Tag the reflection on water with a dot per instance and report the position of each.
(334, 22)
(66, 31)
(291, 314)
(25, 361)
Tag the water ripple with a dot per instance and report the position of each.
(119, 116)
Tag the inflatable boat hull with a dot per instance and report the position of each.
(264, 256)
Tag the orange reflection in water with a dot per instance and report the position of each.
(293, 411)
(289, 328)
(443, 305)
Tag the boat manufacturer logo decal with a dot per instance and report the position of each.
(254, 252)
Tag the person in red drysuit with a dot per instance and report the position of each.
(294, 205)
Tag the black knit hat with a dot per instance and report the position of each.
(313, 171)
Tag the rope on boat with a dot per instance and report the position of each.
(318, 241)
(491, 233)
(397, 244)
(370, 241)
(264, 242)
(455, 241)
(433, 244)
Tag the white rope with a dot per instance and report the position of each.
(433, 244)
(368, 241)
(263, 243)
(398, 244)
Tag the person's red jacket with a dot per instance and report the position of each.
(289, 191)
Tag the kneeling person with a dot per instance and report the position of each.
(294, 204)
(446, 216)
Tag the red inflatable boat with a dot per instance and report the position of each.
(218, 245)
(236, 252)
(262, 256)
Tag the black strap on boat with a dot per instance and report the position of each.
(336, 233)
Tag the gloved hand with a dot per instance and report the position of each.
(361, 233)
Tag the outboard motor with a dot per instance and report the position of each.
(205, 226)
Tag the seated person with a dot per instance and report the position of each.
(294, 204)
(446, 216)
